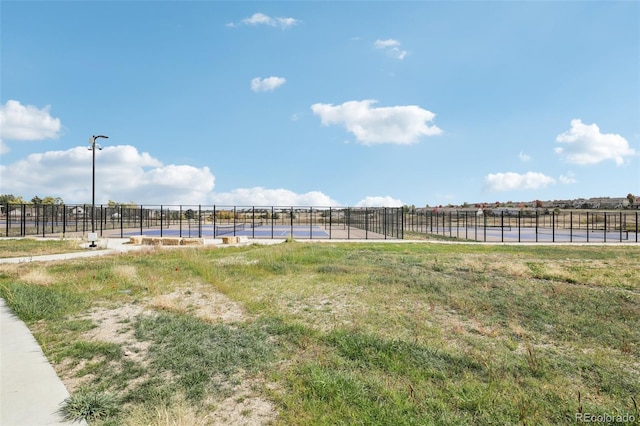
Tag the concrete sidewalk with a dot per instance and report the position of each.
(31, 393)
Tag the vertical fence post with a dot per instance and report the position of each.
(291, 223)
(161, 222)
(199, 220)
(466, 224)
(519, 222)
(587, 226)
(366, 223)
(620, 225)
(215, 216)
(384, 222)
(484, 222)
(571, 226)
(234, 220)
(64, 219)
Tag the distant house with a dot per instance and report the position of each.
(76, 211)
(610, 203)
(506, 211)
(17, 211)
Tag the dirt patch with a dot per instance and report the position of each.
(243, 404)
(116, 326)
(200, 301)
(244, 408)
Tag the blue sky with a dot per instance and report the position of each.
(320, 103)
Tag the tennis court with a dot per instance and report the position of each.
(240, 230)
(533, 235)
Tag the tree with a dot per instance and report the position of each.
(7, 198)
(52, 201)
(631, 198)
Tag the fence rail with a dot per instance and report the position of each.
(528, 226)
(212, 221)
(18, 220)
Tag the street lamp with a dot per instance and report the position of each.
(92, 147)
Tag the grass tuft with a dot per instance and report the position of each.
(89, 406)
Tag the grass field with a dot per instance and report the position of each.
(36, 247)
(340, 333)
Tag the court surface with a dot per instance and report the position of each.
(264, 231)
(528, 235)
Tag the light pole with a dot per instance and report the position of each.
(92, 147)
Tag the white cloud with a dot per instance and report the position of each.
(259, 196)
(567, 179)
(378, 201)
(262, 19)
(401, 125)
(514, 181)
(381, 44)
(392, 47)
(266, 84)
(27, 123)
(524, 157)
(586, 145)
(122, 174)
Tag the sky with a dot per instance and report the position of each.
(320, 103)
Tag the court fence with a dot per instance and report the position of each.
(213, 221)
(201, 221)
(526, 225)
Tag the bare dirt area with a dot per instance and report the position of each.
(242, 402)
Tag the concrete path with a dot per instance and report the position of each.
(31, 393)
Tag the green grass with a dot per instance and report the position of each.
(21, 247)
(349, 333)
(90, 406)
(203, 357)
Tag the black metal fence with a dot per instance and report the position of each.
(527, 225)
(17, 220)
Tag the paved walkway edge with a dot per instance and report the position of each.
(31, 393)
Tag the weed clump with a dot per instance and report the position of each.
(89, 405)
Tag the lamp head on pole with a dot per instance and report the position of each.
(92, 141)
